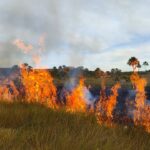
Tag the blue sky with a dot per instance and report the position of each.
(93, 33)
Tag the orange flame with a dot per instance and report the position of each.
(8, 91)
(142, 111)
(139, 84)
(106, 106)
(76, 101)
(39, 87)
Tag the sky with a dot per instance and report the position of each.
(89, 33)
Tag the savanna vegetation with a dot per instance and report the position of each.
(32, 126)
(61, 74)
(28, 124)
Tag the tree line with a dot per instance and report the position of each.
(64, 71)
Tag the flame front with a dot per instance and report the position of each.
(76, 101)
(139, 84)
(142, 111)
(8, 91)
(39, 87)
(106, 106)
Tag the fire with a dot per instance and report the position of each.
(8, 91)
(38, 83)
(106, 106)
(112, 101)
(142, 111)
(39, 86)
(76, 101)
(139, 84)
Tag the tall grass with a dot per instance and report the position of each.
(34, 127)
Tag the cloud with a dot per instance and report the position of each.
(118, 57)
(77, 31)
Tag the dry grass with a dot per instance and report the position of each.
(31, 126)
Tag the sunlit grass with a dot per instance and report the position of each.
(32, 126)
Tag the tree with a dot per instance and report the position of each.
(55, 71)
(145, 63)
(25, 64)
(15, 68)
(134, 62)
(115, 71)
(98, 72)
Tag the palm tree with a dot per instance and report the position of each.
(134, 62)
(145, 63)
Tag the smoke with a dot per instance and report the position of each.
(29, 20)
(20, 44)
(76, 28)
(74, 80)
(8, 55)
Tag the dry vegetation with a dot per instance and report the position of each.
(32, 126)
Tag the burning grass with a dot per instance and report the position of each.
(32, 126)
(142, 111)
(106, 105)
(76, 101)
(36, 86)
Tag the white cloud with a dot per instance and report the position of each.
(78, 30)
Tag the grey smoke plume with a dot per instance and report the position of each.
(9, 54)
(77, 28)
(29, 20)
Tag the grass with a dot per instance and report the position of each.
(110, 80)
(34, 127)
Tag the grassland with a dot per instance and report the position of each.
(123, 78)
(34, 127)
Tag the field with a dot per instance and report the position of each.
(123, 78)
(74, 75)
(32, 126)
